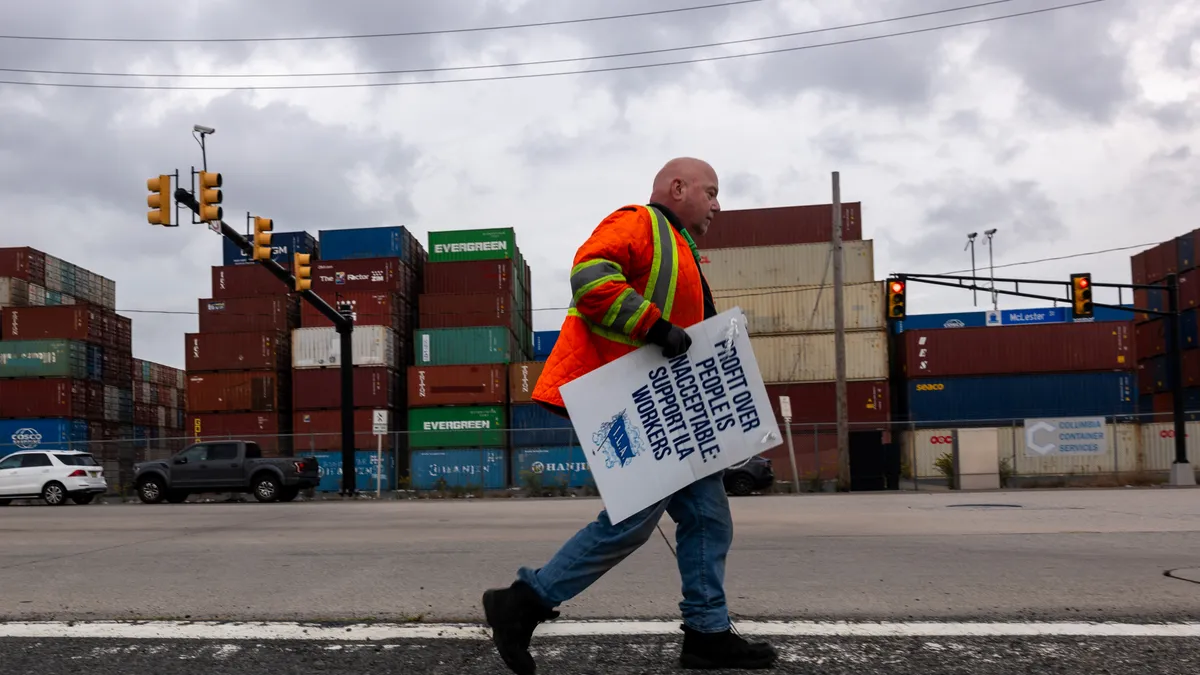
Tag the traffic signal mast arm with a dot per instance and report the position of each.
(946, 279)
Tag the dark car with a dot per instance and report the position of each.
(750, 476)
(225, 466)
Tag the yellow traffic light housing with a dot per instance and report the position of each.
(1081, 296)
(301, 267)
(895, 298)
(208, 194)
(262, 238)
(159, 200)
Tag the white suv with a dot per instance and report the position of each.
(51, 475)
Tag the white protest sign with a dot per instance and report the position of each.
(650, 426)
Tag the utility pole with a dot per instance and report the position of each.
(971, 245)
(1182, 474)
(992, 270)
(839, 340)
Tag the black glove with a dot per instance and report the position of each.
(673, 339)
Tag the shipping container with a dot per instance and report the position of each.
(1185, 251)
(24, 263)
(238, 391)
(1047, 348)
(95, 362)
(522, 378)
(482, 244)
(261, 314)
(14, 292)
(366, 478)
(532, 425)
(543, 343)
(1162, 260)
(57, 397)
(208, 352)
(1150, 299)
(781, 225)
(810, 358)
(551, 467)
(37, 295)
(321, 388)
(317, 430)
(457, 385)
(370, 308)
(475, 276)
(464, 346)
(1004, 398)
(271, 431)
(45, 358)
(867, 403)
(458, 468)
(1189, 289)
(469, 310)
(43, 434)
(322, 347)
(78, 322)
(806, 310)
(456, 426)
(283, 245)
(379, 275)
(785, 266)
(245, 281)
(368, 242)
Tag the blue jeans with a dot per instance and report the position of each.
(703, 534)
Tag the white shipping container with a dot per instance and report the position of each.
(161, 415)
(54, 274)
(68, 299)
(1158, 445)
(14, 292)
(810, 358)
(924, 446)
(37, 295)
(806, 310)
(321, 347)
(786, 266)
(112, 404)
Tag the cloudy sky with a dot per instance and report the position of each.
(1069, 131)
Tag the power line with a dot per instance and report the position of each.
(517, 64)
(1064, 257)
(527, 76)
(446, 31)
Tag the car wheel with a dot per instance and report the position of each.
(83, 499)
(151, 491)
(266, 489)
(5, 502)
(177, 496)
(741, 485)
(54, 494)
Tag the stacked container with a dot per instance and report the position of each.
(474, 321)
(159, 408)
(376, 271)
(777, 266)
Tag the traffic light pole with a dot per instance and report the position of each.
(345, 328)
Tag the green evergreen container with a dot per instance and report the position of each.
(456, 427)
(498, 243)
(465, 346)
(43, 358)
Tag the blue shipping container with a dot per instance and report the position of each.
(552, 465)
(283, 245)
(68, 279)
(95, 362)
(459, 467)
(532, 426)
(1191, 330)
(330, 466)
(543, 343)
(51, 433)
(366, 242)
(1186, 252)
(1007, 317)
(1016, 397)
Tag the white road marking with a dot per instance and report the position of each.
(222, 631)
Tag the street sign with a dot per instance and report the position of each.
(380, 422)
(1066, 437)
(785, 407)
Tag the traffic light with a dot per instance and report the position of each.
(1081, 296)
(895, 299)
(301, 267)
(262, 238)
(209, 195)
(159, 199)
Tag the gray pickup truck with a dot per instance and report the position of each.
(225, 466)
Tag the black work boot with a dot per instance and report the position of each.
(711, 651)
(513, 613)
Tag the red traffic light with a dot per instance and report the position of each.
(1082, 282)
(897, 286)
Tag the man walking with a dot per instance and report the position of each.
(636, 281)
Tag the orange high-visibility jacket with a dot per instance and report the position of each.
(634, 269)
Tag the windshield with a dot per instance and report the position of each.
(76, 460)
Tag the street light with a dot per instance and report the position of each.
(971, 245)
(992, 267)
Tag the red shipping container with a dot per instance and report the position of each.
(781, 225)
(23, 263)
(1161, 261)
(371, 308)
(1151, 338)
(237, 351)
(868, 404)
(381, 275)
(1137, 266)
(457, 385)
(321, 430)
(469, 310)
(1189, 290)
(1043, 348)
(239, 391)
(321, 388)
(471, 276)
(1191, 368)
(145, 414)
(246, 281)
(271, 431)
(260, 314)
(45, 398)
(95, 399)
(65, 322)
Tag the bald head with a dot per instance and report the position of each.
(688, 187)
